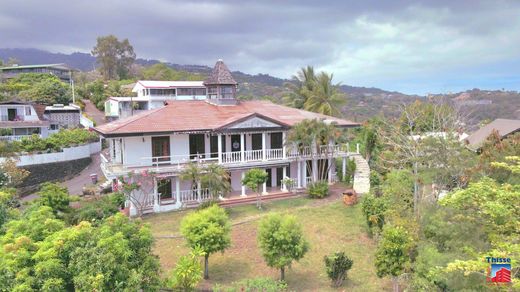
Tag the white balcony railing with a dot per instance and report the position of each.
(14, 137)
(177, 162)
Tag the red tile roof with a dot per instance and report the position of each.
(199, 115)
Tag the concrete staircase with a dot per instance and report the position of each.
(361, 175)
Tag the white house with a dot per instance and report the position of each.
(19, 119)
(156, 145)
(153, 94)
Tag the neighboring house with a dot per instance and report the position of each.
(504, 127)
(19, 119)
(239, 135)
(62, 116)
(62, 71)
(151, 95)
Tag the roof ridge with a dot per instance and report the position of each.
(145, 114)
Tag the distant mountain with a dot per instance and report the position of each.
(362, 102)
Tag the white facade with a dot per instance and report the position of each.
(238, 149)
(153, 94)
(18, 120)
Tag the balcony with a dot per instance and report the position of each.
(7, 118)
(176, 163)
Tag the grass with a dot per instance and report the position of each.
(328, 228)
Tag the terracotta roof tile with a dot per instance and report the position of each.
(199, 115)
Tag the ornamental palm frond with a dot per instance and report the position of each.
(325, 97)
(304, 80)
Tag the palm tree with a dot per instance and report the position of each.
(325, 97)
(313, 134)
(303, 81)
(216, 179)
(193, 172)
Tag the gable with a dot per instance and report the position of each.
(254, 122)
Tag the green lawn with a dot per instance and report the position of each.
(330, 227)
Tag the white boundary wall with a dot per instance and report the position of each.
(71, 153)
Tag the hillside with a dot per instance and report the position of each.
(362, 102)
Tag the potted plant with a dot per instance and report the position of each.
(349, 197)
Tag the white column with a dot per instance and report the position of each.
(219, 139)
(344, 167)
(304, 173)
(331, 168)
(357, 148)
(242, 154)
(243, 186)
(177, 191)
(264, 189)
(284, 174)
(283, 147)
(156, 206)
(314, 170)
(199, 189)
(299, 174)
(263, 147)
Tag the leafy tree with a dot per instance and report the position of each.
(337, 266)
(393, 254)
(398, 192)
(54, 196)
(39, 253)
(254, 179)
(114, 56)
(208, 229)
(10, 174)
(187, 272)
(38, 87)
(281, 240)
(193, 172)
(8, 204)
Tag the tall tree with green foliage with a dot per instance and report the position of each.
(114, 56)
(393, 254)
(325, 98)
(209, 230)
(39, 87)
(281, 240)
(303, 81)
(254, 179)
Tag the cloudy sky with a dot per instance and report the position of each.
(410, 46)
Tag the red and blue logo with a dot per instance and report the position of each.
(499, 270)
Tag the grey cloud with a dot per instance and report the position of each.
(372, 43)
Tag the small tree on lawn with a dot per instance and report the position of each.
(337, 266)
(208, 229)
(392, 255)
(187, 272)
(281, 240)
(253, 179)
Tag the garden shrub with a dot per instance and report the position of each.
(374, 210)
(318, 189)
(187, 273)
(55, 196)
(97, 210)
(55, 142)
(337, 266)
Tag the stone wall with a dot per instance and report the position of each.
(51, 172)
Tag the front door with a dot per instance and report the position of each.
(269, 178)
(11, 114)
(197, 146)
(164, 188)
(213, 146)
(235, 143)
(161, 148)
(276, 140)
(256, 141)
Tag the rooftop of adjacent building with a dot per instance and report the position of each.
(504, 127)
(60, 66)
